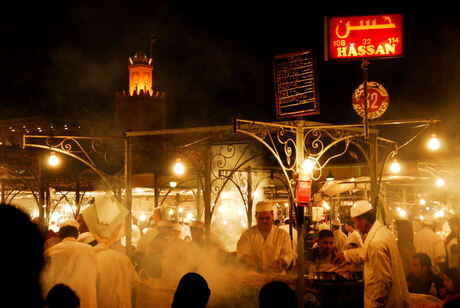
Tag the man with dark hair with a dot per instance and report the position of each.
(320, 258)
(353, 238)
(277, 294)
(72, 263)
(384, 279)
(192, 291)
(421, 278)
(428, 241)
(62, 296)
(21, 259)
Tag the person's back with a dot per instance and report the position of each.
(192, 292)
(72, 263)
(427, 241)
(21, 259)
(116, 278)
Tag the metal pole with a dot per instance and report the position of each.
(250, 196)
(155, 190)
(300, 222)
(128, 195)
(41, 190)
(364, 65)
(207, 193)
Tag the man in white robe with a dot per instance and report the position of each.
(116, 278)
(340, 238)
(384, 280)
(428, 242)
(354, 239)
(265, 247)
(72, 263)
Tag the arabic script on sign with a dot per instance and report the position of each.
(364, 36)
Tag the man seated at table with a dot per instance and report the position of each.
(320, 258)
(422, 279)
(265, 247)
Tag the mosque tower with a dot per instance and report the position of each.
(142, 107)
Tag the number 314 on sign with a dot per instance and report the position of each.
(377, 100)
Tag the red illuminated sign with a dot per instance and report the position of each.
(358, 37)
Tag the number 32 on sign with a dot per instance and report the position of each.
(377, 100)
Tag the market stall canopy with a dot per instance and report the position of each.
(336, 187)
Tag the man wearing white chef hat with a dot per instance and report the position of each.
(384, 280)
(265, 247)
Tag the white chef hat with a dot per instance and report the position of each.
(70, 222)
(264, 206)
(360, 207)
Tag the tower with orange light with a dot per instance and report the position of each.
(142, 107)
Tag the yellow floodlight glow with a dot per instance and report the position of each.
(402, 213)
(433, 143)
(440, 182)
(422, 201)
(439, 214)
(308, 165)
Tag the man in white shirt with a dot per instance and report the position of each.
(265, 247)
(354, 239)
(72, 263)
(427, 241)
(340, 238)
(116, 278)
(384, 279)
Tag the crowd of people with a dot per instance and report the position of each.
(75, 268)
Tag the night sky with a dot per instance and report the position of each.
(214, 59)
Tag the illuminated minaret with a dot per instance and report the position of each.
(140, 74)
(142, 107)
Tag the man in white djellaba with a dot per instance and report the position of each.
(116, 277)
(428, 242)
(265, 247)
(354, 239)
(384, 280)
(340, 238)
(72, 263)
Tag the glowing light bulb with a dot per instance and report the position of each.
(53, 160)
(422, 202)
(395, 166)
(307, 166)
(179, 167)
(433, 143)
(142, 217)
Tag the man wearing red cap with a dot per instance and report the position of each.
(384, 280)
(265, 247)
